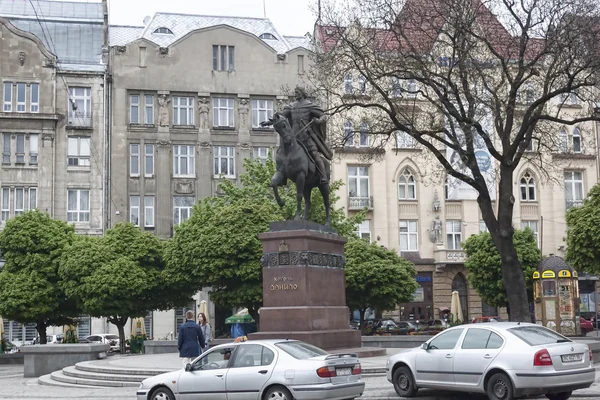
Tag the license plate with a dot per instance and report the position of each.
(343, 371)
(572, 357)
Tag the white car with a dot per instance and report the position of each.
(261, 369)
(107, 338)
(504, 360)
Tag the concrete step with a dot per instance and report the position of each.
(93, 366)
(77, 373)
(60, 377)
(47, 380)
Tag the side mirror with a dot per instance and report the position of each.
(425, 346)
(188, 367)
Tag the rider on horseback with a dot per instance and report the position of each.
(308, 124)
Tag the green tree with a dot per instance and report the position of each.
(485, 266)
(583, 250)
(376, 277)
(119, 276)
(218, 247)
(31, 245)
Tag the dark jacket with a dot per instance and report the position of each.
(190, 335)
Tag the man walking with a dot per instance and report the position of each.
(190, 339)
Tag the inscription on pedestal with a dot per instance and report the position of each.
(302, 259)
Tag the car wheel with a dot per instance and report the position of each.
(499, 387)
(278, 393)
(162, 393)
(559, 396)
(404, 383)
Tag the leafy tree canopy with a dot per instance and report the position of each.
(31, 245)
(583, 248)
(485, 267)
(376, 277)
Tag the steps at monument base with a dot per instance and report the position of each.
(91, 366)
(61, 377)
(74, 372)
(47, 380)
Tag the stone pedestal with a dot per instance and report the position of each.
(304, 293)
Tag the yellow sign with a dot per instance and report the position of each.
(548, 274)
(564, 274)
(536, 275)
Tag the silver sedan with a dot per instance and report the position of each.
(260, 370)
(504, 360)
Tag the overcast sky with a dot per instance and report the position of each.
(291, 17)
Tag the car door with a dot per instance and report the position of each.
(478, 349)
(252, 366)
(433, 366)
(206, 380)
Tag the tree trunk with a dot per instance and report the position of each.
(120, 322)
(40, 327)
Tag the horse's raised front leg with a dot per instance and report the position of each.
(324, 189)
(299, 192)
(307, 201)
(277, 181)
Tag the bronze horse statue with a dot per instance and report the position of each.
(294, 163)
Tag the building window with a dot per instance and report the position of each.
(19, 201)
(182, 208)
(408, 236)
(364, 135)
(183, 110)
(183, 160)
(6, 148)
(571, 98)
(454, 235)
(149, 211)
(224, 161)
(262, 110)
(483, 227)
(149, 109)
(563, 141)
(348, 134)
(134, 210)
(411, 87)
(404, 140)
(134, 109)
(34, 105)
(396, 87)
(5, 204)
(21, 99)
(78, 152)
(362, 83)
(527, 187)
(573, 188)
(20, 153)
(78, 205)
(300, 64)
(223, 58)
(223, 112)
(358, 182)
(261, 153)
(364, 230)
(533, 225)
(576, 140)
(8, 89)
(348, 84)
(80, 107)
(163, 30)
(33, 149)
(149, 160)
(134, 160)
(407, 188)
(32, 198)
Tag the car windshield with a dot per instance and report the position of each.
(301, 350)
(111, 337)
(537, 335)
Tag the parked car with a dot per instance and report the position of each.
(406, 327)
(434, 323)
(504, 360)
(586, 326)
(261, 369)
(107, 338)
(478, 320)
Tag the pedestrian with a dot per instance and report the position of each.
(190, 339)
(205, 327)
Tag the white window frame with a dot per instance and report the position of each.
(363, 230)
(362, 83)
(404, 140)
(148, 160)
(184, 105)
(454, 234)
(149, 211)
(79, 214)
(134, 210)
(363, 140)
(358, 177)
(34, 106)
(576, 140)
(7, 96)
(526, 184)
(563, 140)
(574, 185)
(5, 205)
(348, 84)
(483, 227)
(181, 212)
(82, 159)
(134, 159)
(411, 87)
(134, 104)
(261, 153)
(82, 98)
(179, 157)
(409, 231)
(32, 198)
(404, 182)
(348, 134)
(19, 201)
(533, 225)
(223, 58)
(20, 153)
(262, 110)
(149, 109)
(6, 147)
(21, 97)
(396, 87)
(227, 154)
(33, 149)
(223, 105)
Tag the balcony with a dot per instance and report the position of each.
(446, 256)
(360, 203)
(80, 119)
(573, 203)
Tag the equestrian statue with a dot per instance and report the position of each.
(303, 156)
